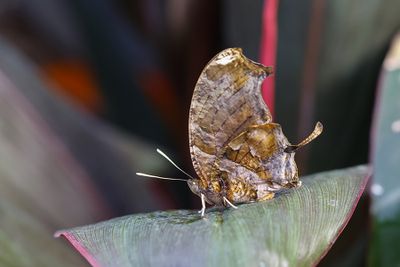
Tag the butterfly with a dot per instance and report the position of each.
(238, 153)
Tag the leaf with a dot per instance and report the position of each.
(25, 239)
(386, 157)
(50, 159)
(294, 229)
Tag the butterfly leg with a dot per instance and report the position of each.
(203, 205)
(229, 203)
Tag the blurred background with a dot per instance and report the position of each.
(90, 88)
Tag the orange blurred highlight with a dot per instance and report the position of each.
(75, 79)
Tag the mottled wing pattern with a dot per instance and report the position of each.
(226, 101)
(260, 151)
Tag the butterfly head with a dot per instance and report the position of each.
(194, 185)
(210, 191)
(198, 187)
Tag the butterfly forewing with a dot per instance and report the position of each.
(226, 102)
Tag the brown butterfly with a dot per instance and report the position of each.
(238, 153)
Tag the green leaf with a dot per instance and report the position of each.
(386, 157)
(294, 229)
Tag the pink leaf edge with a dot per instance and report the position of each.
(349, 215)
(78, 246)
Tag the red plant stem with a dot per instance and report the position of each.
(269, 40)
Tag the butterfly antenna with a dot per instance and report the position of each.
(159, 177)
(173, 163)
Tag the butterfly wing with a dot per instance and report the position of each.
(261, 160)
(258, 156)
(226, 101)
